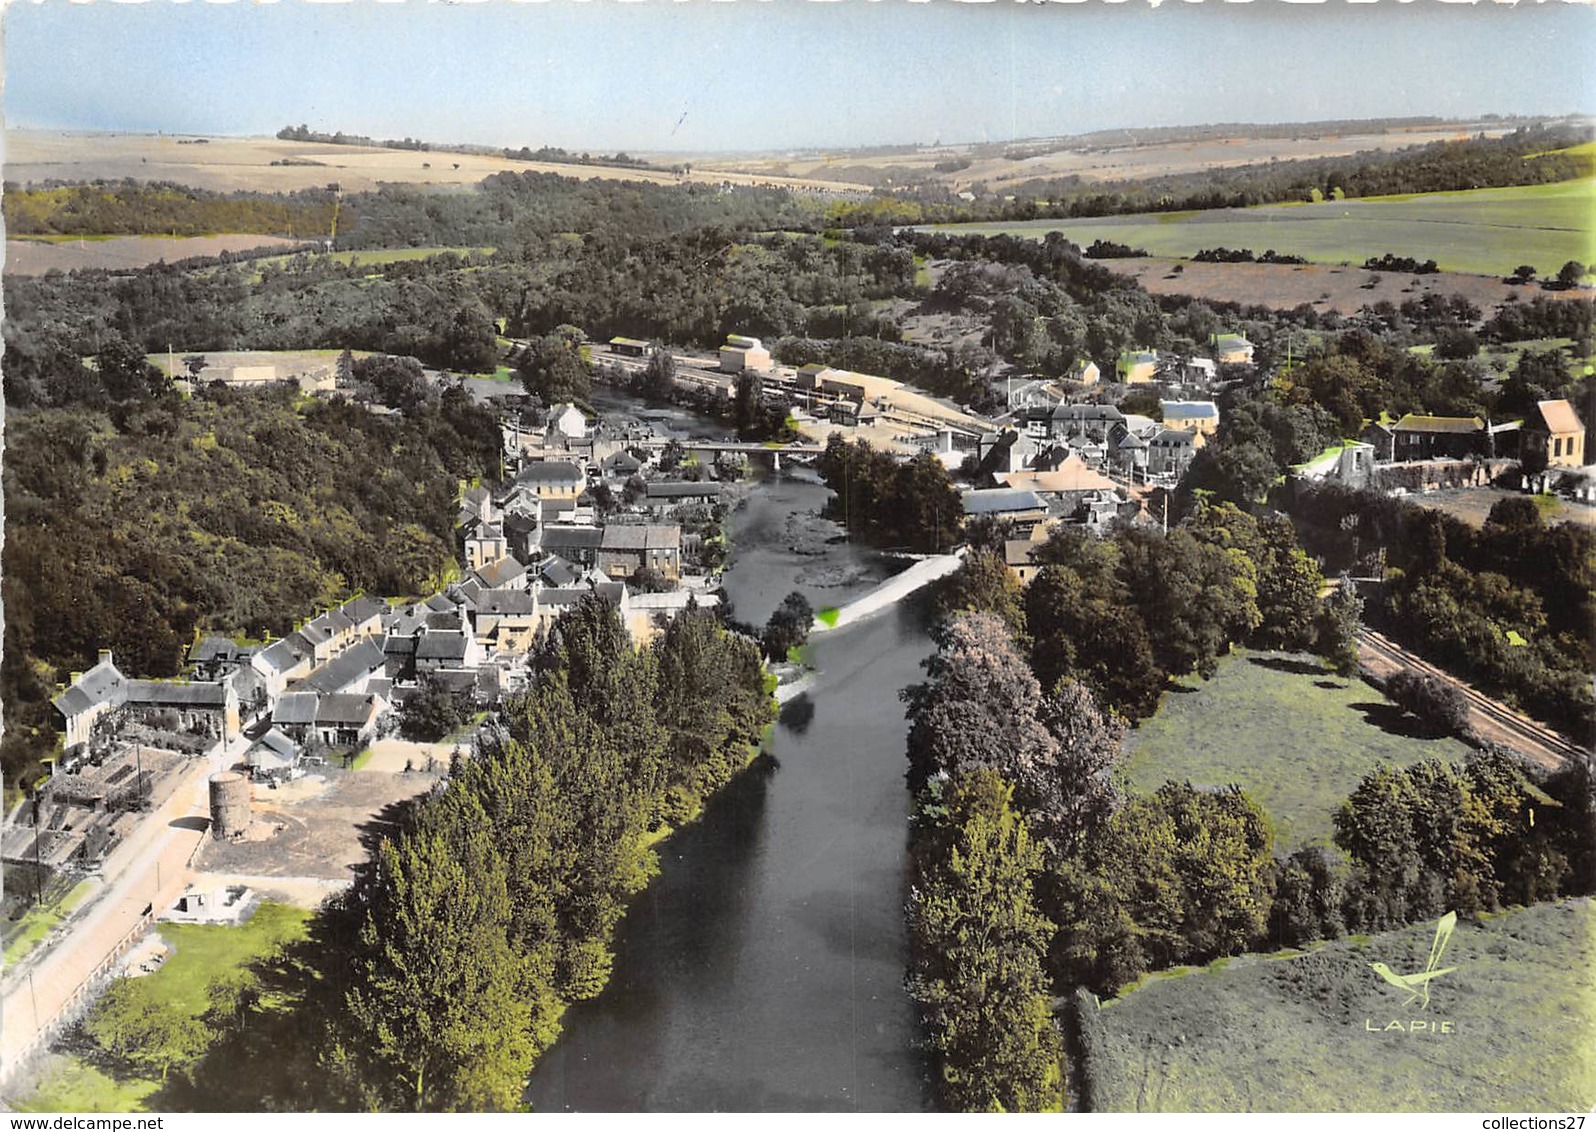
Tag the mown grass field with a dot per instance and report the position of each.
(1292, 1032)
(201, 954)
(1295, 737)
(1483, 231)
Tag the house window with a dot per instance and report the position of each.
(1557, 446)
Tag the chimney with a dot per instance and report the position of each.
(105, 656)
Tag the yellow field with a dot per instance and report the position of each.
(231, 164)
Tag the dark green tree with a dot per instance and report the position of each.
(976, 948)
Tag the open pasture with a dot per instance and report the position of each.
(1481, 232)
(1295, 737)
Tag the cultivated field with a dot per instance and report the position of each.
(1297, 738)
(1341, 289)
(1481, 232)
(35, 257)
(228, 164)
(1041, 158)
(1305, 1033)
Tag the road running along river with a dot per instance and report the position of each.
(763, 969)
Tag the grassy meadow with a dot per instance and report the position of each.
(1291, 1032)
(1294, 736)
(1481, 232)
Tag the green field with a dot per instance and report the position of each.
(1292, 1032)
(1297, 741)
(1483, 231)
(201, 954)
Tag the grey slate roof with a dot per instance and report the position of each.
(1087, 413)
(550, 471)
(684, 490)
(497, 575)
(346, 669)
(363, 608)
(165, 693)
(353, 711)
(1172, 438)
(997, 500)
(557, 538)
(102, 683)
(295, 708)
(280, 656)
(558, 572)
(441, 644)
(507, 603)
(215, 648)
(641, 536)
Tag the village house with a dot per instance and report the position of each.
(1557, 432)
(348, 720)
(505, 574)
(1137, 367)
(1198, 417)
(626, 548)
(662, 497)
(505, 621)
(1084, 372)
(1084, 422)
(273, 756)
(1170, 453)
(552, 481)
(487, 543)
(476, 506)
(1231, 349)
(89, 696)
(1018, 554)
(566, 420)
(1418, 437)
(282, 661)
(577, 545)
(1024, 509)
(348, 672)
(523, 534)
(446, 648)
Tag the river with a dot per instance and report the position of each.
(763, 969)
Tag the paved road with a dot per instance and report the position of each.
(1489, 718)
(148, 871)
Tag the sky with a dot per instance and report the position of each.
(698, 76)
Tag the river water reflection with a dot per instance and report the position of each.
(763, 969)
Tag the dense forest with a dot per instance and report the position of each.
(131, 528)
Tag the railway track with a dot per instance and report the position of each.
(1490, 719)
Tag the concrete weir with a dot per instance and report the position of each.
(925, 571)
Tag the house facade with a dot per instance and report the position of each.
(1558, 432)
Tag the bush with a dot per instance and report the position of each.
(1439, 704)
